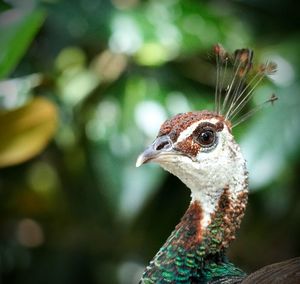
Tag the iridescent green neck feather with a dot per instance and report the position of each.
(194, 255)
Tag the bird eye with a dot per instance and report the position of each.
(206, 137)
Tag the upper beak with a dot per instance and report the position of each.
(161, 145)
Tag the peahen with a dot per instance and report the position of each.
(199, 148)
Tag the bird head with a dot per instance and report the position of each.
(188, 140)
(199, 147)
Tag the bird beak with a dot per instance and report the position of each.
(161, 146)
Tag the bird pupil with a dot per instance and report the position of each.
(207, 137)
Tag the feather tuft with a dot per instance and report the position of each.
(236, 80)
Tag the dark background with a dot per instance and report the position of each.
(84, 88)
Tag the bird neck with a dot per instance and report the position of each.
(194, 253)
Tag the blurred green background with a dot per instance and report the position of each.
(84, 88)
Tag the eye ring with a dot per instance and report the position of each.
(206, 137)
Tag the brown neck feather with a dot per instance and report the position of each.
(220, 232)
(226, 220)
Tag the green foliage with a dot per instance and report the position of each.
(96, 79)
(17, 30)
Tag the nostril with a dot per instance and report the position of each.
(162, 145)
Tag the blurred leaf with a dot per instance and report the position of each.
(25, 132)
(17, 29)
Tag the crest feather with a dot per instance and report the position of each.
(235, 90)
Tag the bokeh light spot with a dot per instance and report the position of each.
(30, 233)
(177, 103)
(109, 65)
(285, 73)
(42, 177)
(70, 57)
(148, 116)
(152, 54)
(126, 37)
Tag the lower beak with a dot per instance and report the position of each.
(162, 145)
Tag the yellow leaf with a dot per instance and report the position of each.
(26, 131)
